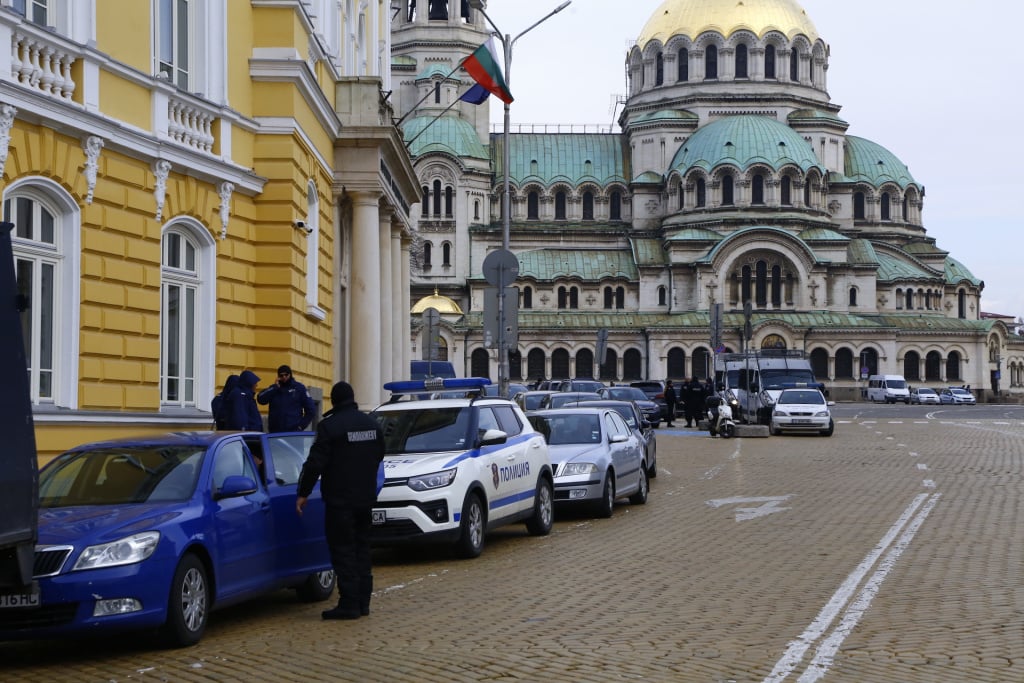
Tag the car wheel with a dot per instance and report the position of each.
(540, 523)
(317, 587)
(728, 430)
(188, 605)
(471, 536)
(772, 429)
(652, 471)
(606, 505)
(831, 428)
(640, 497)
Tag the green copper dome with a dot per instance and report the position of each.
(447, 134)
(871, 163)
(742, 141)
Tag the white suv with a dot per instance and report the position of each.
(456, 468)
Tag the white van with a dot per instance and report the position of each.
(888, 389)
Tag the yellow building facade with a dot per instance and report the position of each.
(200, 187)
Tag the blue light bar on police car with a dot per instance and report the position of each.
(410, 386)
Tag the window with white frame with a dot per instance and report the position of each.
(36, 11)
(313, 252)
(180, 317)
(174, 41)
(189, 49)
(44, 239)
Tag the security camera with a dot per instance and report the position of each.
(301, 225)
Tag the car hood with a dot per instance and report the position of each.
(574, 452)
(802, 407)
(89, 524)
(405, 465)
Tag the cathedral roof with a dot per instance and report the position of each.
(821, 235)
(892, 268)
(859, 250)
(743, 141)
(574, 158)
(956, 272)
(449, 134)
(871, 163)
(693, 17)
(586, 264)
(443, 304)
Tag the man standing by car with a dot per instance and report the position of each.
(240, 405)
(345, 456)
(670, 403)
(291, 406)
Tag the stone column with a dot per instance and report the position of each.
(399, 332)
(366, 299)
(405, 328)
(387, 349)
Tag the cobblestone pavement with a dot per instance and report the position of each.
(890, 552)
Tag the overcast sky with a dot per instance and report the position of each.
(939, 85)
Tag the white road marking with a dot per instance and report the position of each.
(794, 654)
(769, 505)
(825, 655)
(928, 483)
(922, 466)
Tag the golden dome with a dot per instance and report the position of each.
(443, 304)
(693, 17)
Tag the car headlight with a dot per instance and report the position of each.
(127, 550)
(781, 413)
(571, 468)
(434, 480)
(821, 413)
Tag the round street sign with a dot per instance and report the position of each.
(501, 268)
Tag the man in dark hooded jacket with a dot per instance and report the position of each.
(240, 404)
(219, 407)
(345, 457)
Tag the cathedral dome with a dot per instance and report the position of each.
(742, 141)
(869, 162)
(443, 304)
(693, 17)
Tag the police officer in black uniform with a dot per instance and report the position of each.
(345, 456)
(291, 406)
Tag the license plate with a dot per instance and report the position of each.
(379, 517)
(19, 600)
(796, 421)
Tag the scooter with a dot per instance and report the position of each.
(720, 422)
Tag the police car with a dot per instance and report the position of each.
(457, 467)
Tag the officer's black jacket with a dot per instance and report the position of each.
(345, 455)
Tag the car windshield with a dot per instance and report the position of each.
(801, 397)
(960, 392)
(925, 391)
(625, 394)
(532, 401)
(559, 400)
(116, 476)
(570, 428)
(777, 379)
(425, 430)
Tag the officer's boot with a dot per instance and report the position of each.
(365, 593)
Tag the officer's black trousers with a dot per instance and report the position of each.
(348, 538)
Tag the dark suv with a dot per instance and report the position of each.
(655, 391)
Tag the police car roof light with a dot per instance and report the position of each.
(413, 386)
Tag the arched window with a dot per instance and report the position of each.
(912, 366)
(659, 69)
(527, 297)
(609, 366)
(426, 201)
(727, 194)
(428, 252)
(476, 209)
(560, 206)
(776, 286)
(807, 193)
(961, 304)
(620, 297)
(532, 206)
(794, 65)
(746, 278)
(819, 364)
(662, 296)
(437, 198)
(909, 299)
(844, 364)
(953, 366)
(869, 362)
(905, 215)
(563, 297)
(588, 206)
(449, 194)
(535, 364)
(47, 254)
(437, 92)
(853, 296)
(741, 61)
(615, 206)
(899, 299)
(480, 363)
(700, 362)
(609, 297)
(757, 189)
(446, 254)
(632, 364)
(761, 284)
(710, 63)
(185, 312)
(675, 363)
(560, 364)
(701, 199)
(683, 66)
(769, 62)
(932, 366)
(858, 206)
(884, 207)
(585, 364)
(515, 364)
(786, 191)
(574, 297)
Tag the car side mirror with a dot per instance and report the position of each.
(618, 438)
(493, 437)
(236, 485)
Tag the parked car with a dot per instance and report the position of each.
(802, 410)
(923, 396)
(513, 389)
(635, 419)
(530, 400)
(654, 389)
(156, 532)
(456, 468)
(956, 396)
(597, 457)
(651, 410)
(560, 398)
(581, 385)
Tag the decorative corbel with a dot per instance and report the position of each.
(7, 113)
(161, 169)
(92, 146)
(224, 190)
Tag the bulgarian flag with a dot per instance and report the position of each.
(483, 66)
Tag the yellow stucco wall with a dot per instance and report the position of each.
(125, 32)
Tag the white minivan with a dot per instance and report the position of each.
(888, 389)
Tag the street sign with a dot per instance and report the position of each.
(602, 345)
(716, 325)
(501, 267)
(492, 323)
(431, 333)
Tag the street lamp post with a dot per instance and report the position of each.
(506, 199)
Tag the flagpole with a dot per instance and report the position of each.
(506, 198)
(433, 121)
(429, 93)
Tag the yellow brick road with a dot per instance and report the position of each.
(890, 552)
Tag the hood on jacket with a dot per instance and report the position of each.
(229, 384)
(248, 379)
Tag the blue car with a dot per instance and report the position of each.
(156, 532)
